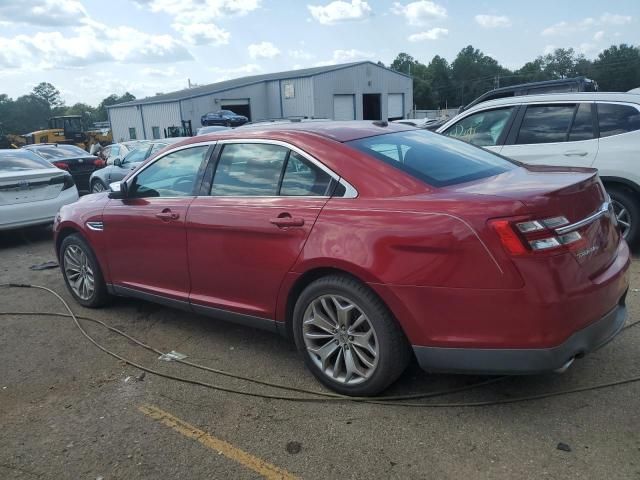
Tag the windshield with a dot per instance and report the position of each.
(53, 153)
(433, 158)
(19, 161)
(138, 155)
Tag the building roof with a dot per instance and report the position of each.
(242, 82)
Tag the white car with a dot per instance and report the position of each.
(32, 190)
(595, 129)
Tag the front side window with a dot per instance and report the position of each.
(545, 124)
(132, 133)
(173, 175)
(434, 159)
(136, 156)
(155, 131)
(249, 169)
(614, 119)
(483, 128)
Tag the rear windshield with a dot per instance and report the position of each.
(72, 149)
(433, 158)
(21, 160)
(54, 153)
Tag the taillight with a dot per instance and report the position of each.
(534, 236)
(68, 182)
(98, 162)
(61, 165)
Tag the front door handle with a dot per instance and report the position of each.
(167, 215)
(575, 153)
(286, 220)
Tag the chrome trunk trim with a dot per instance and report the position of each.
(601, 212)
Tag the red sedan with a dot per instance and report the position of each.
(368, 243)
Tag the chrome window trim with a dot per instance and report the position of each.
(602, 211)
(350, 191)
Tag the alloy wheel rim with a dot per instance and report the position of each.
(340, 339)
(79, 272)
(98, 187)
(623, 217)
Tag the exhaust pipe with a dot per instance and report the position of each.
(563, 368)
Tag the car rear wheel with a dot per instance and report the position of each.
(349, 339)
(82, 273)
(97, 186)
(627, 210)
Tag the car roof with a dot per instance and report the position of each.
(341, 131)
(558, 97)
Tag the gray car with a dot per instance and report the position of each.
(100, 179)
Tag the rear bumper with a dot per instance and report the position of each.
(35, 213)
(523, 361)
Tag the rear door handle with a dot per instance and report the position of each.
(575, 153)
(167, 215)
(287, 221)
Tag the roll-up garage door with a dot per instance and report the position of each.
(395, 108)
(343, 107)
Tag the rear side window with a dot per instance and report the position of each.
(249, 169)
(302, 178)
(483, 128)
(545, 124)
(432, 158)
(582, 128)
(614, 119)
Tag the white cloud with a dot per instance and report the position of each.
(263, 50)
(202, 33)
(346, 56)
(549, 49)
(90, 44)
(234, 72)
(300, 55)
(433, 34)
(492, 21)
(48, 13)
(598, 35)
(160, 72)
(614, 19)
(568, 28)
(340, 11)
(196, 20)
(421, 12)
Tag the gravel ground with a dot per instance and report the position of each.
(67, 410)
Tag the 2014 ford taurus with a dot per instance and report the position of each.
(367, 243)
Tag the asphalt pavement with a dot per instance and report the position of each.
(70, 411)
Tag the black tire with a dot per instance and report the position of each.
(393, 349)
(631, 203)
(98, 182)
(100, 295)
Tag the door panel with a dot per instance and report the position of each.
(147, 252)
(240, 249)
(574, 154)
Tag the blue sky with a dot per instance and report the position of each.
(90, 49)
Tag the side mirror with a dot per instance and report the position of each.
(118, 190)
(117, 162)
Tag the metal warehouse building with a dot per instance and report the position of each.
(352, 91)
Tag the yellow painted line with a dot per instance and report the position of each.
(267, 470)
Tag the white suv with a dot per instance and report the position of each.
(595, 129)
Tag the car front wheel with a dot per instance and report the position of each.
(97, 186)
(349, 339)
(82, 273)
(627, 210)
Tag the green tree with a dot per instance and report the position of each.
(49, 94)
(438, 74)
(474, 73)
(617, 69)
(113, 99)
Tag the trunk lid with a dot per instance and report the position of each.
(76, 165)
(574, 193)
(30, 185)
